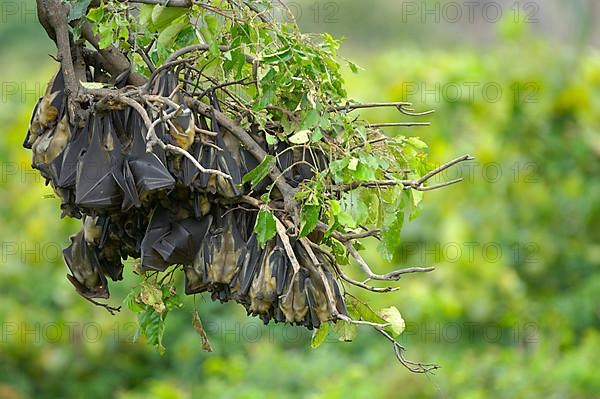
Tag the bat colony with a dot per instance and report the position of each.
(160, 208)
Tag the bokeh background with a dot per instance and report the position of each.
(513, 309)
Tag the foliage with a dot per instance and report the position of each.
(558, 293)
(280, 96)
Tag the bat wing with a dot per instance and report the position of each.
(96, 186)
(74, 150)
(227, 164)
(123, 176)
(208, 159)
(149, 173)
(189, 171)
(159, 225)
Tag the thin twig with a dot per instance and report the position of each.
(391, 276)
(397, 124)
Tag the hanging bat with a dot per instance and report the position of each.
(222, 247)
(47, 109)
(159, 225)
(96, 187)
(293, 303)
(183, 128)
(180, 244)
(73, 151)
(84, 266)
(149, 172)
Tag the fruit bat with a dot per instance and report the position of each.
(96, 187)
(159, 225)
(73, 151)
(51, 144)
(149, 172)
(47, 109)
(159, 207)
(183, 128)
(180, 244)
(84, 266)
(228, 160)
(249, 266)
(222, 247)
(263, 292)
(121, 171)
(293, 303)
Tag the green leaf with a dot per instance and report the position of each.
(213, 24)
(107, 36)
(390, 235)
(335, 207)
(317, 135)
(265, 227)
(145, 17)
(301, 137)
(417, 197)
(256, 175)
(393, 316)
(78, 8)
(364, 311)
(152, 326)
(163, 16)
(152, 295)
(311, 119)
(131, 302)
(167, 37)
(278, 57)
(364, 172)
(271, 140)
(353, 67)
(95, 14)
(345, 330)
(353, 164)
(417, 143)
(346, 219)
(319, 335)
(310, 217)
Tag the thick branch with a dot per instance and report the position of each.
(54, 14)
(112, 59)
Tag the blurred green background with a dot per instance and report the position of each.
(513, 309)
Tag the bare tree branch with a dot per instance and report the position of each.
(409, 184)
(391, 276)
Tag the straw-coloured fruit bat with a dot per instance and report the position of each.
(157, 206)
